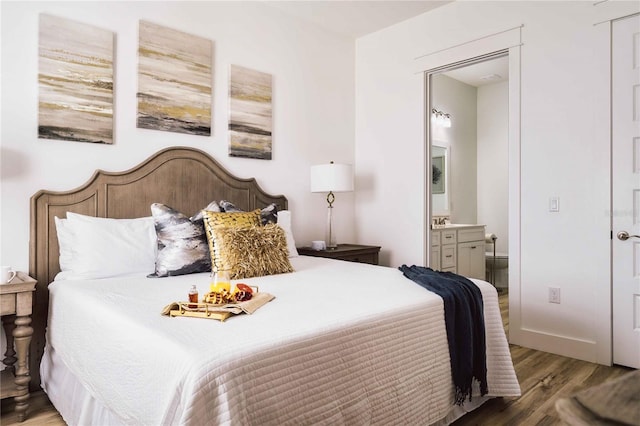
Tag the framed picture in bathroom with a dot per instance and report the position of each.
(438, 176)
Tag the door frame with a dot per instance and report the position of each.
(501, 43)
(609, 27)
(602, 100)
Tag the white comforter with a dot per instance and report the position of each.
(342, 343)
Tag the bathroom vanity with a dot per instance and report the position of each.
(459, 248)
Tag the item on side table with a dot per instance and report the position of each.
(6, 275)
(331, 178)
(318, 245)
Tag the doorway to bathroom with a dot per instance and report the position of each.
(468, 142)
(506, 43)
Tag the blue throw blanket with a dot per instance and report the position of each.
(464, 322)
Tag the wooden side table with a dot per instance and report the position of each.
(15, 308)
(349, 252)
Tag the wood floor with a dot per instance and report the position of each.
(543, 379)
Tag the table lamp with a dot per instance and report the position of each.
(331, 178)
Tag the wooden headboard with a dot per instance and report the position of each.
(186, 179)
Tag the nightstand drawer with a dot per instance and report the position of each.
(371, 258)
(348, 252)
(8, 304)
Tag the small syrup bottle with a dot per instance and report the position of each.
(193, 296)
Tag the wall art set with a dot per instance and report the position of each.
(76, 81)
(249, 113)
(174, 80)
(175, 87)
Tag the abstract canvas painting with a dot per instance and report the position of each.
(249, 113)
(174, 80)
(75, 79)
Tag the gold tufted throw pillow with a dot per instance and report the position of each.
(217, 220)
(253, 252)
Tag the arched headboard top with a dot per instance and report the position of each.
(187, 179)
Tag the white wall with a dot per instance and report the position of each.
(313, 106)
(561, 76)
(493, 162)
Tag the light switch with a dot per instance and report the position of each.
(554, 204)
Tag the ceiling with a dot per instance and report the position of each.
(355, 18)
(483, 73)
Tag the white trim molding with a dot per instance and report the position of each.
(478, 47)
(491, 45)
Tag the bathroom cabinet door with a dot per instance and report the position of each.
(471, 262)
(435, 258)
(435, 251)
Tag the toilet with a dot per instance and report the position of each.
(501, 279)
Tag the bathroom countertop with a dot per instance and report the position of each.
(454, 226)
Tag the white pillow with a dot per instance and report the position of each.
(284, 221)
(65, 243)
(103, 247)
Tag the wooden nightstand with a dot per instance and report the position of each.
(15, 304)
(349, 252)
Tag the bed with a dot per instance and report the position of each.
(341, 343)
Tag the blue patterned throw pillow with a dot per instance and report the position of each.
(182, 242)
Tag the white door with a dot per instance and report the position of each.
(626, 191)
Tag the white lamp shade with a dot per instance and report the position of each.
(332, 177)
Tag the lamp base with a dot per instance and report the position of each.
(330, 237)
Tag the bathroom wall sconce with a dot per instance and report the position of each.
(440, 118)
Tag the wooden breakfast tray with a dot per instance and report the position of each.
(218, 312)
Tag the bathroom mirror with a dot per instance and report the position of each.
(440, 188)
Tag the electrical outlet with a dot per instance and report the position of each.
(554, 295)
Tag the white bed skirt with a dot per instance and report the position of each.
(78, 407)
(72, 400)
